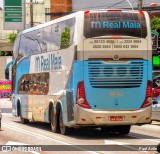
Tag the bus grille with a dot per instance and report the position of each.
(102, 75)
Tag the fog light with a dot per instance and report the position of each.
(80, 101)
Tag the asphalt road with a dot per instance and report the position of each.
(141, 139)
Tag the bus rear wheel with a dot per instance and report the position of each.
(63, 129)
(54, 122)
(124, 130)
(105, 129)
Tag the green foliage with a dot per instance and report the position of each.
(2, 53)
(12, 37)
(5, 53)
(65, 38)
(155, 23)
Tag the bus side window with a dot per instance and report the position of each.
(22, 87)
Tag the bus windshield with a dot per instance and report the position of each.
(114, 23)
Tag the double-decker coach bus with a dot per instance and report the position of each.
(90, 68)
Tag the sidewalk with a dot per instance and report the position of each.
(5, 105)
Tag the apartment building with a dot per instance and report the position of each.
(40, 8)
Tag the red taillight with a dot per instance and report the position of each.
(134, 117)
(149, 89)
(141, 12)
(86, 12)
(148, 99)
(153, 4)
(81, 97)
(116, 37)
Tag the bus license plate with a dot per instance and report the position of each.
(116, 118)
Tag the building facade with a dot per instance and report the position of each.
(40, 8)
(60, 8)
(4, 34)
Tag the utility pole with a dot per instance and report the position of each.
(139, 4)
(31, 13)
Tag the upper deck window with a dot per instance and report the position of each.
(115, 23)
(49, 38)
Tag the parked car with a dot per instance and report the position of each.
(156, 109)
(156, 91)
(0, 119)
(156, 79)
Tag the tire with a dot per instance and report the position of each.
(0, 123)
(22, 120)
(124, 130)
(54, 122)
(63, 129)
(105, 129)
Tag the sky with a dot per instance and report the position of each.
(1, 3)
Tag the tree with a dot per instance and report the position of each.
(155, 23)
(65, 38)
(12, 37)
(2, 53)
(5, 53)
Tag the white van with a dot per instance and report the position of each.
(156, 109)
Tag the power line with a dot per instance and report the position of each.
(104, 6)
(116, 4)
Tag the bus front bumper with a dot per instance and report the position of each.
(102, 118)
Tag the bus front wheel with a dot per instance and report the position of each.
(23, 120)
(0, 123)
(63, 129)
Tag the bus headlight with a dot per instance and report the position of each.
(80, 100)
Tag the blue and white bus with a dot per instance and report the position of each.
(90, 68)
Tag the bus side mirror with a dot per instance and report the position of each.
(154, 102)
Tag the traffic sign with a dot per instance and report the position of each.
(13, 9)
(14, 14)
(156, 60)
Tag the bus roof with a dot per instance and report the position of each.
(70, 16)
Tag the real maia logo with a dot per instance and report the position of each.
(125, 24)
(48, 62)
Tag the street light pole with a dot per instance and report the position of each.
(31, 13)
(139, 4)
